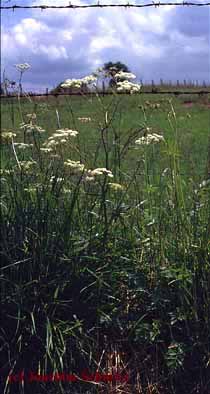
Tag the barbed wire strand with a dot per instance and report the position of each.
(98, 5)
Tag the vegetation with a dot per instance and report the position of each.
(111, 69)
(105, 244)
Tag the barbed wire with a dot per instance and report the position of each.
(99, 5)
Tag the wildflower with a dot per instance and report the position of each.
(204, 183)
(30, 189)
(7, 136)
(123, 75)
(165, 171)
(66, 191)
(54, 179)
(22, 146)
(22, 67)
(128, 87)
(78, 83)
(5, 171)
(75, 166)
(89, 79)
(89, 178)
(155, 106)
(150, 139)
(63, 133)
(101, 171)
(30, 128)
(26, 165)
(67, 132)
(46, 150)
(72, 83)
(50, 144)
(31, 116)
(116, 186)
(84, 120)
(38, 129)
(61, 136)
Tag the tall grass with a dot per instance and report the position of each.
(105, 255)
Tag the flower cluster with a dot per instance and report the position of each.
(152, 105)
(84, 120)
(78, 83)
(150, 139)
(31, 128)
(74, 166)
(22, 146)
(61, 136)
(128, 87)
(92, 174)
(7, 136)
(121, 75)
(22, 67)
(31, 117)
(26, 165)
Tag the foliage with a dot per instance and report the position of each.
(112, 68)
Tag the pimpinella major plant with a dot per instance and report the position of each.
(103, 252)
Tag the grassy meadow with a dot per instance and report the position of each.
(105, 243)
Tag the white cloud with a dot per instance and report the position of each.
(52, 52)
(75, 42)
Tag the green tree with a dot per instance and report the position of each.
(111, 69)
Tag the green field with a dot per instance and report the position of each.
(105, 243)
(130, 113)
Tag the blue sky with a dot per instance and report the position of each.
(166, 42)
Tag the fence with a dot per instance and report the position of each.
(99, 5)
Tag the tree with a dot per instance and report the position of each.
(111, 69)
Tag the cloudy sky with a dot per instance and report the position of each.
(166, 42)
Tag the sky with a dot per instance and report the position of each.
(169, 43)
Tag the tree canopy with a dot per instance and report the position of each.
(112, 68)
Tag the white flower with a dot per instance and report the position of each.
(54, 179)
(84, 120)
(22, 67)
(89, 79)
(72, 83)
(7, 136)
(204, 183)
(129, 87)
(77, 83)
(51, 144)
(26, 165)
(21, 145)
(67, 132)
(29, 128)
(101, 171)
(150, 139)
(123, 75)
(61, 136)
(31, 116)
(63, 133)
(75, 166)
(46, 150)
(89, 178)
